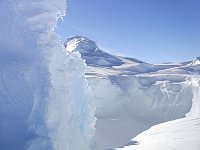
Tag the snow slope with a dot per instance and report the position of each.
(181, 134)
(133, 96)
(40, 106)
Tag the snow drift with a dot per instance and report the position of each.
(45, 102)
(178, 134)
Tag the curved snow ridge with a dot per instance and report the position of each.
(181, 134)
(178, 134)
(164, 97)
(136, 104)
(91, 52)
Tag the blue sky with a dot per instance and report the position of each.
(150, 30)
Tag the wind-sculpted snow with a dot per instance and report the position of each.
(178, 134)
(133, 96)
(136, 103)
(45, 102)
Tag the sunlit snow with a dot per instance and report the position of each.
(132, 96)
(53, 99)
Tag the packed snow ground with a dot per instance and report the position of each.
(181, 134)
(131, 96)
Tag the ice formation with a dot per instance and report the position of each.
(132, 96)
(45, 102)
(178, 134)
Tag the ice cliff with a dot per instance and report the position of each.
(45, 102)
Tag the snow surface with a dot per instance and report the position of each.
(181, 134)
(133, 96)
(46, 103)
(40, 106)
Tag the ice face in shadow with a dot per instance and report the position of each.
(45, 102)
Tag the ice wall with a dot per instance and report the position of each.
(45, 102)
